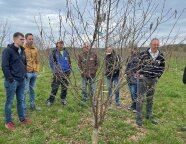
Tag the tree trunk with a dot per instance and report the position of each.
(95, 136)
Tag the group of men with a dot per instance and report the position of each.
(20, 65)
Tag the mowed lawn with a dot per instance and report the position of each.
(72, 123)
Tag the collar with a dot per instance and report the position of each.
(153, 55)
(27, 46)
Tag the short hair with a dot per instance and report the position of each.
(86, 43)
(154, 39)
(26, 36)
(59, 41)
(16, 34)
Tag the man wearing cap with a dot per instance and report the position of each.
(60, 65)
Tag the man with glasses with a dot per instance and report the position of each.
(14, 69)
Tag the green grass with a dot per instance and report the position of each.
(72, 123)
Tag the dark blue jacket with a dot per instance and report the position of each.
(13, 63)
(131, 64)
(59, 63)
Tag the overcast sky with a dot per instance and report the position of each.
(21, 13)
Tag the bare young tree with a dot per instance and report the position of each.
(104, 23)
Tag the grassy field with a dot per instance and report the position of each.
(72, 123)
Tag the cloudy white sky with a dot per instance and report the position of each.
(20, 15)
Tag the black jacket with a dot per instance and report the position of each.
(184, 76)
(13, 63)
(113, 66)
(151, 68)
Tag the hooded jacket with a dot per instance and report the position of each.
(13, 63)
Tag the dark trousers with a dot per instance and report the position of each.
(57, 80)
(145, 86)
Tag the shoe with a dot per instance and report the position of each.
(64, 101)
(10, 126)
(48, 103)
(154, 121)
(118, 107)
(134, 111)
(139, 125)
(84, 99)
(130, 108)
(26, 121)
(183, 128)
(35, 108)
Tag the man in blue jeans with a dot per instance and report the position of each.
(32, 59)
(88, 65)
(112, 62)
(14, 69)
(131, 75)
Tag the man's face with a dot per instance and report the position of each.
(60, 45)
(29, 40)
(19, 41)
(86, 47)
(109, 50)
(154, 45)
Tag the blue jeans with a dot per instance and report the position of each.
(90, 82)
(110, 81)
(132, 83)
(12, 89)
(30, 86)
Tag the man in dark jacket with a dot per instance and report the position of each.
(151, 67)
(131, 75)
(88, 66)
(60, 66)
(14, 69)
(112, 62)
(184, 76)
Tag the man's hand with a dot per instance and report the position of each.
(11, 80)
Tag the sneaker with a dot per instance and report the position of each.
(154, 121)
(64, 101)
(10, 126)
(48, 103)
(139, 125)
(26, 121)
(134, 111)
(129, 108)
(118, 106)
(35, 108)
(183, 128)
